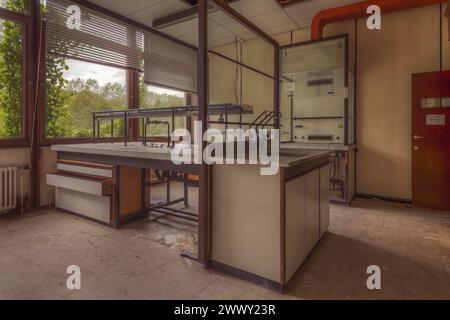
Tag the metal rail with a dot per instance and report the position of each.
(173, 112)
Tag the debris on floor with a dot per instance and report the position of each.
(184, 244)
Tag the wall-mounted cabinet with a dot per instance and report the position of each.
(317, 92)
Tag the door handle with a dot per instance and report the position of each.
(416, 137)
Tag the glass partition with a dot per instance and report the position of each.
(241, 71)
(317, 93)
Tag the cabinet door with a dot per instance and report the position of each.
(312, 209)
(324, 200)
(295, 225)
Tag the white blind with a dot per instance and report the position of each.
(169, 64)
(99, 38)
(106, 40)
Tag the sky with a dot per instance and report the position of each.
(105, 74)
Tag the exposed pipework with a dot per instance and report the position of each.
(359, 10)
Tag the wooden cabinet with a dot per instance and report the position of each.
(312, 209)
(102, 192)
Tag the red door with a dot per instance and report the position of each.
(431, 140)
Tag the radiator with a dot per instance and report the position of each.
(8, 188)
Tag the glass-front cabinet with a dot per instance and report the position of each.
(317, 93)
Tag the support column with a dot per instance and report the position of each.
(204, 232)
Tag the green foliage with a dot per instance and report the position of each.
(20, 6)
(69, 113)
(69, 104)
(150, 99)
(58, 117)
(11, 74)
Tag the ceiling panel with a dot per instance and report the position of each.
(252, 8)
(161, 9)
(272, 19)
(266, 14)
(179, 29)
(126, 7)
(307, 10)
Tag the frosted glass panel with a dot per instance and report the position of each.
(314, 93)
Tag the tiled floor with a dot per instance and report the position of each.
(411, 245)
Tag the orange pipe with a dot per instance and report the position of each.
(359, 10)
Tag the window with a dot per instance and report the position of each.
(19, 6)
(75, 89)
(156, 97)
(11, 79)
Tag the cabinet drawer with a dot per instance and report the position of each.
(94, 186)
(82, 168)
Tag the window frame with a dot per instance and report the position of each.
(46, 141)
(162, 138)
(132, 86)
(27, 80)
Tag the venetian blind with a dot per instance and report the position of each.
(106, 40)
(98, 38)
(169, 64)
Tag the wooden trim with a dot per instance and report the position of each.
(283, 227)
(35, 39)
(204, 230)
(82, 176)
(115, 217)
(53, 141)
(132, 162)
(383, 198)
(15, 15)
(94, 165)
(247, 276)
(85, 217)
(276, 94)
(13, 143)
(133, 102)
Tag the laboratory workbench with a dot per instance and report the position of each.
(263, 227)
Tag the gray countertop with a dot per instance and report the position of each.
(288, 157)
(292, 158)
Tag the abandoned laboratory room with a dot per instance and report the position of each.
(225, 150)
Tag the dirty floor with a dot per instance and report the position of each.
(412, 247)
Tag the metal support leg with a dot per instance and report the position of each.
(94, 136)
(186, 195)
(112, 130)
(168, 189)
(116, 203)
(144, 131)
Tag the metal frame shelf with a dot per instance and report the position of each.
(173, 112)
